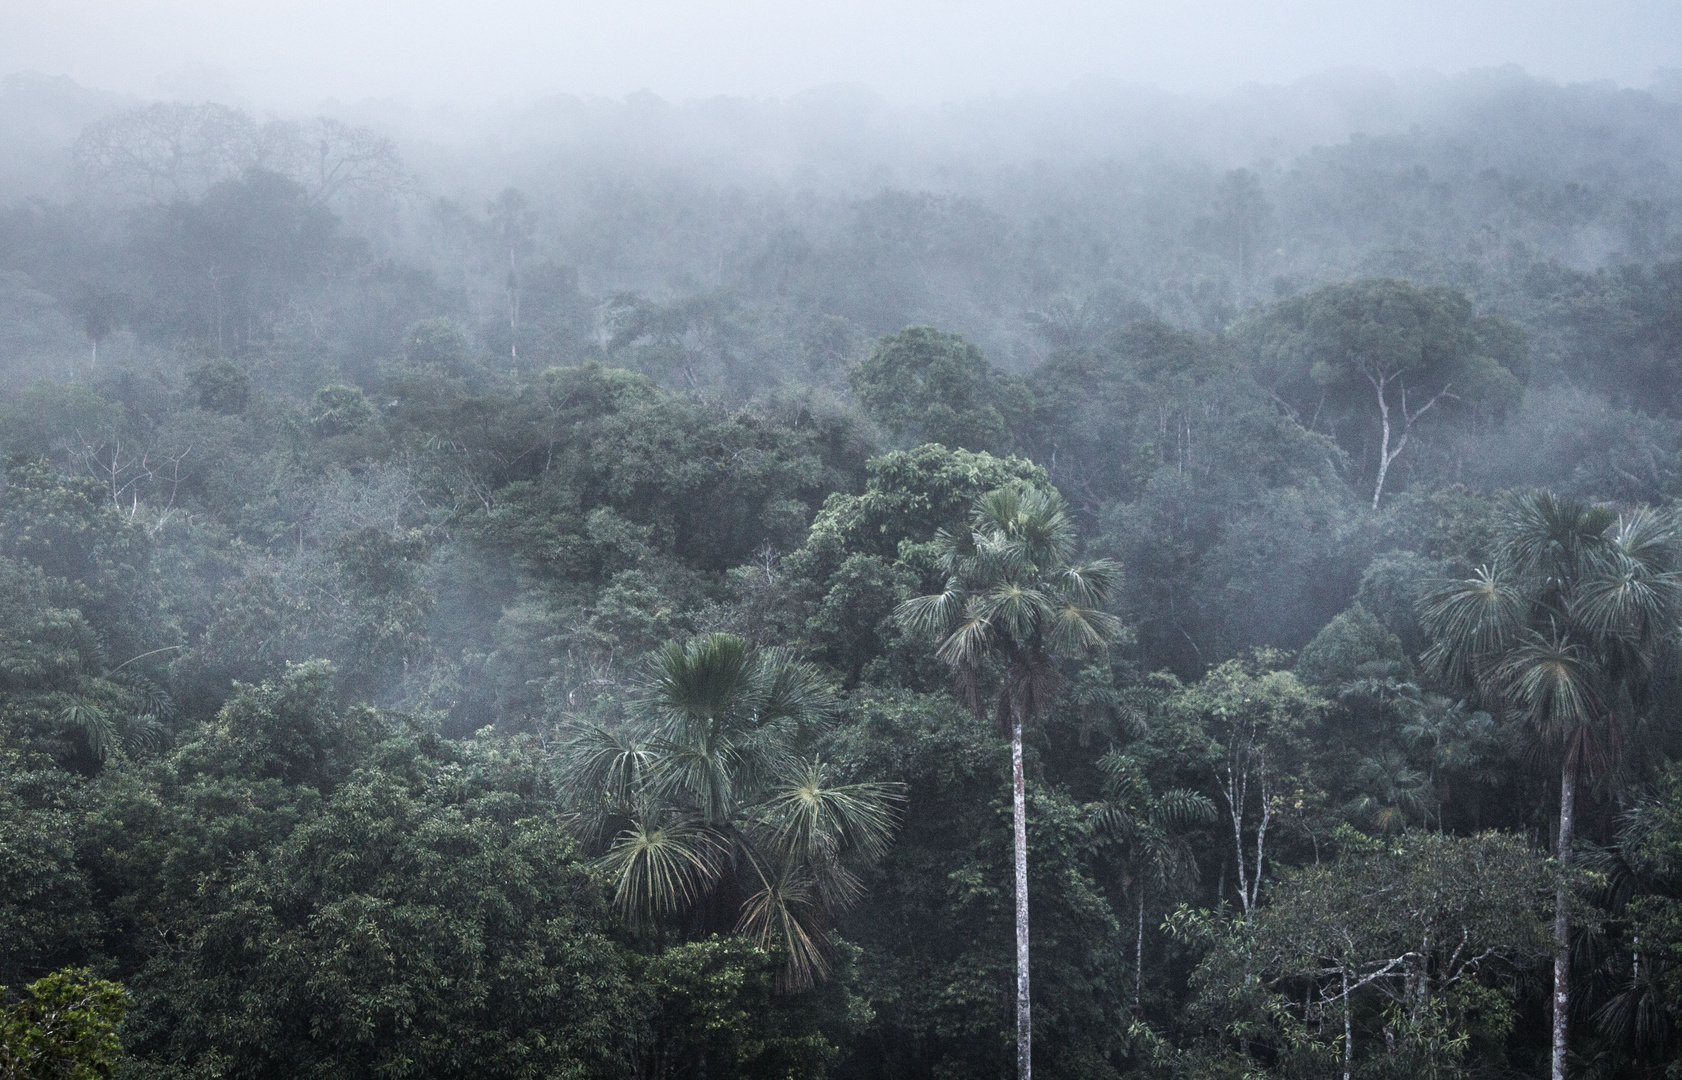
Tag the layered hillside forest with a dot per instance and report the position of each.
(1127, 585)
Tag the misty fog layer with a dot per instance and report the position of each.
(620, 586)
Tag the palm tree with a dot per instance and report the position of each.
(1160, 859)
(1570, 628)
(710, 808)
(1015, 605)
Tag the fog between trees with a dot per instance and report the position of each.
(458, 582)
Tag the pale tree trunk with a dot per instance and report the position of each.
(1562, 919)
(1348, 1031)
(1385, 454)
(1139, 953)
(513, 310)
(1019, 815)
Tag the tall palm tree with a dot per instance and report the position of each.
(1571, 628)
(1159, 857)
(711, 809)
(1014, 604)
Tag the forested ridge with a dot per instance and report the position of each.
(640, 594)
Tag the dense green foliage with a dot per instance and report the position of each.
(571, 637)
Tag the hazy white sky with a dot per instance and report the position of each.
(299, 52)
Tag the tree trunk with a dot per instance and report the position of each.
(513, 310)
(1384, 441)
(1139, 952)
(1562, 919)
(1019, 814)
(1348, 1031)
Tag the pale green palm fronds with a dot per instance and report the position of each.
(954, 550)
(1651, 538)
(1552, 539)
(970, 640)
(704, 680)
(784, 913)
(786, 688)
(1081, 631)
(1015, 611)
(1088, 584)
(661, 864)
(1552, 682)
(1471, 620)
(600, 772)
(933, 615)
(698, 774)
(808, 816)
(1628, 605)
(1037, 520)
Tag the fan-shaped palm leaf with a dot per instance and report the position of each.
(1087, 584)
(1470, 620)
(784, 913)
(808, 814)
(698, 774)
(1552, 681)
(786, 688)
(600, 772)
(661, 864)
(704, 680)
(1551, 539)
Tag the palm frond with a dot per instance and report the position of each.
(1078, 631)
(786, 688)
(699, 775)
(661, 865)
(1552, 681)
(1089, 584)
(703, 680)
(1183, 807)
(1551, 538)
(965, 646)
(809, 817)
(784, 914)
(1471, 620)
(932, 615)
(598, 763)
(1016, 611)
(96, 726)
(143, 734)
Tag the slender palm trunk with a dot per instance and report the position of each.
(1348, 1031)
(1139, 953)
(1562, 920)
(1019, 814)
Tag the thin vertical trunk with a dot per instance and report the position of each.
(513, 310)
(1019, 814)
(1562, 919)
(1139, 953)
(1348, 1032)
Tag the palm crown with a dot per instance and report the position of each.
(1570, 622)
(711, 807)
(1012, 592)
